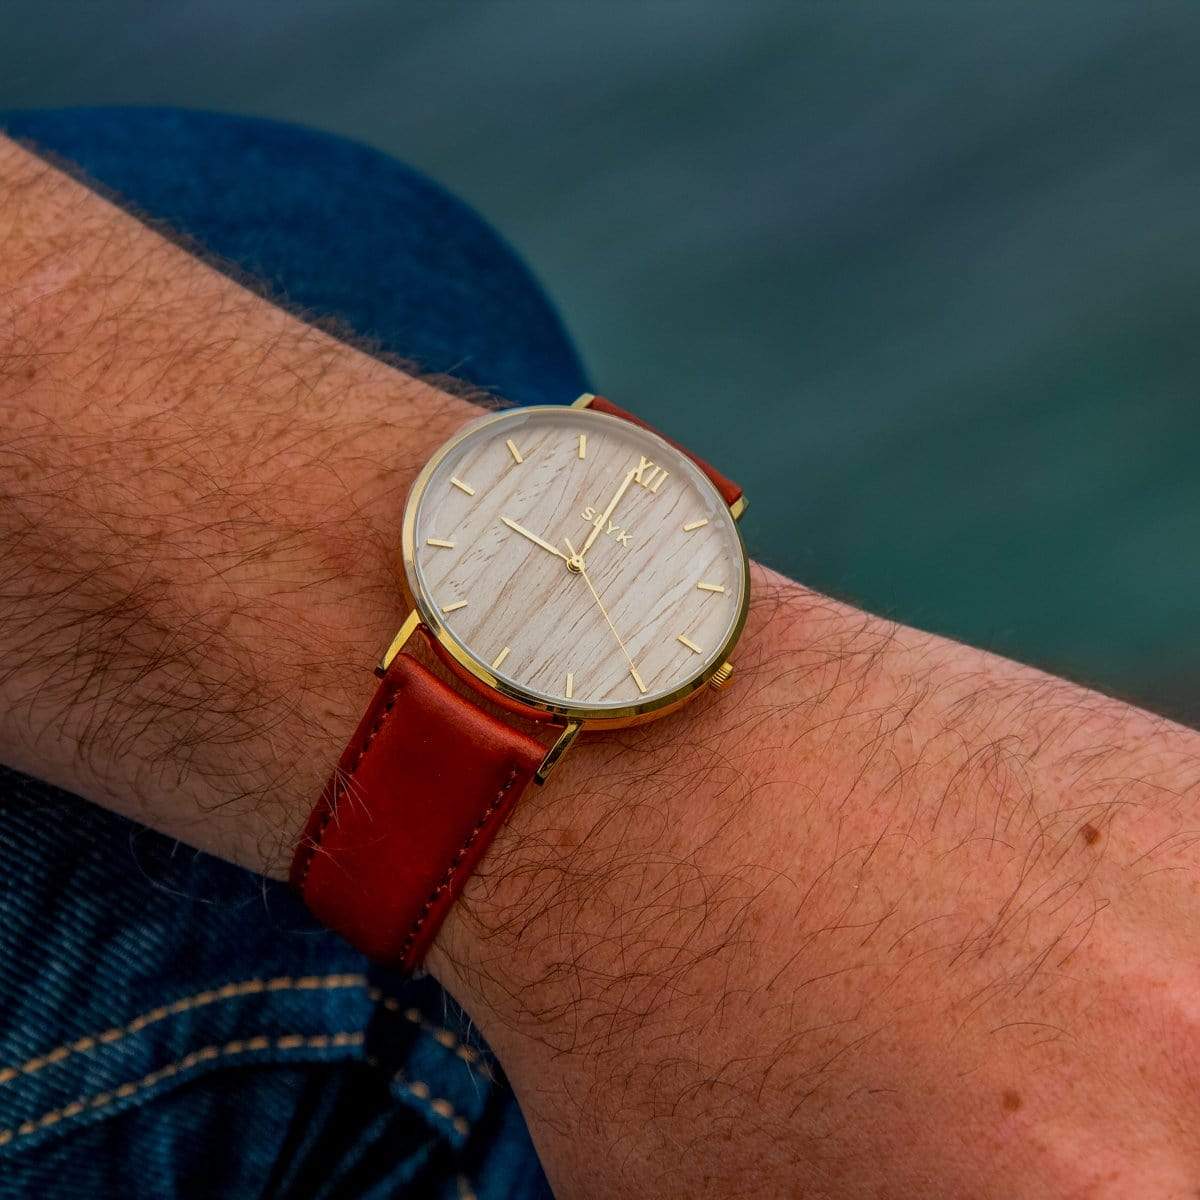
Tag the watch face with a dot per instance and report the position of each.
(576, 560)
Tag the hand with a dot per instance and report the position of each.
(533, 537)
(575, 563)
(602, 520)
(906, 921)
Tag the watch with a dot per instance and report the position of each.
(571, 569)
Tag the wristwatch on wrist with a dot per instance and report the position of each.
(576, 569)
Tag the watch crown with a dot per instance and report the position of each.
(721, 676)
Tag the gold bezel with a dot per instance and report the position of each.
(588, 716)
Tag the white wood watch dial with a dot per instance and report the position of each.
(578, 558)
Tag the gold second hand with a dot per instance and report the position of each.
(600, 604)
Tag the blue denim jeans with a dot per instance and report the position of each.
(172, 1026)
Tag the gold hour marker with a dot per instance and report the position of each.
(583, 445)
(649, 474)
(449, 608)
(512, 449)
(570, 685)
(462, 487)
(499, 658)
(439, 542)
(687, 641)
(637, 679)
(710, 587)
(695, 524)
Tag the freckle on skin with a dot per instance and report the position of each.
(1091, 834)
(1010, 1101)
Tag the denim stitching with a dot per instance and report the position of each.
(228, 991)
(291, 1041)
(420, 1090)
(440, 1034)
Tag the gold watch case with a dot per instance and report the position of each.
(574, 717)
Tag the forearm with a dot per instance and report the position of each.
(199, 495)
(817, 928)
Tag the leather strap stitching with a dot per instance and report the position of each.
(314, 842)
(455, 863)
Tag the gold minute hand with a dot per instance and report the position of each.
(533, 537)
(602, 520)
(577, 559)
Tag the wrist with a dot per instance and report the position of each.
(615, 858)
(636, 942)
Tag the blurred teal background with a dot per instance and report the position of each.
(924, 277)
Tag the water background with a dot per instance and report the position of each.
(924, 277)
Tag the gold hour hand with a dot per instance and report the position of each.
(533, 537)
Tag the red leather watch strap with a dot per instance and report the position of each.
(730, 491)
(418, 794)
